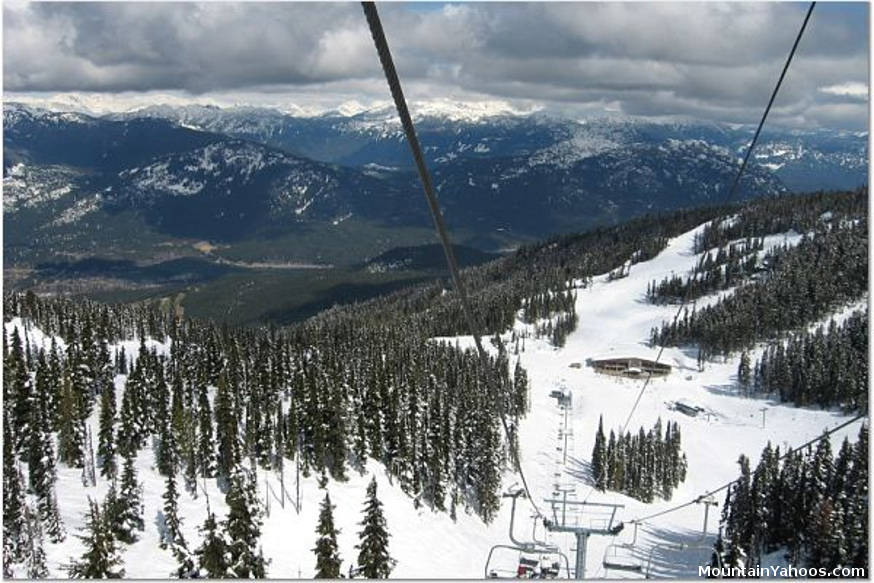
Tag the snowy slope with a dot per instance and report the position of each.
(613, 316)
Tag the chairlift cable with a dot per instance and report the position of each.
(473, 323)
(729, 195)
(783, 456)
(731, 192)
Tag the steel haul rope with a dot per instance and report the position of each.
(786, 454)
(727, 198)
(731, 191)
(397, 93)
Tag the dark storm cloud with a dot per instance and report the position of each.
(705, 59)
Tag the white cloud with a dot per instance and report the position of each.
(850, 89)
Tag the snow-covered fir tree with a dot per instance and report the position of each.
(242, 528)
(128, 521)
(106, 440)
(326, 549)
(211, 555)
(35, 555)
(172, 533)
(14, 523)
(101, 559)
(374, 561)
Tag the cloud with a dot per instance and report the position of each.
(716, 60)
(850, 89)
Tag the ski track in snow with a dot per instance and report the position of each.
(613, 319)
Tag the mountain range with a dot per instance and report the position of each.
(251, 184)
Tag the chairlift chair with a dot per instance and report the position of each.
(621, 557)
(533, 563)
(525, 567)
(679, 547)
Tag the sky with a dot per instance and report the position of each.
(706, 60)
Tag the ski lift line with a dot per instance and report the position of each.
(394, 84)
(771, 100)
(783, 456)
(730, 193)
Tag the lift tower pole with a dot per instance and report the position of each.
(562, 522)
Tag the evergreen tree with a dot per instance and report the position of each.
(128, 438)
(206, 444)
(186, 568)
(243, 528)
(101, 557)
(71, 434)
(38, 424)
(599, 454)
(743, 372)
(14, 523)
(857, 505)
(172, 535)
(373, 558)
(129, 515)
(226, 429)
(106, 438)
(212, 553)
(113, 509)
(327, 553)
(17, 392)
(172, 523)
(167, 459)
(35, 557)
(43, 475)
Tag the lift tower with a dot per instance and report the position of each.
(569, 516)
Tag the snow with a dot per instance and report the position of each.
(33, 186)
(467, 111)
(302, 208)
(79, 209)
(427, 544)
(339, 220)
(37, 338)
(586, 142)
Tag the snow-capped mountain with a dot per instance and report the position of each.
(504, 175)
(40, 136)
(231, 188)
(356, 134)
